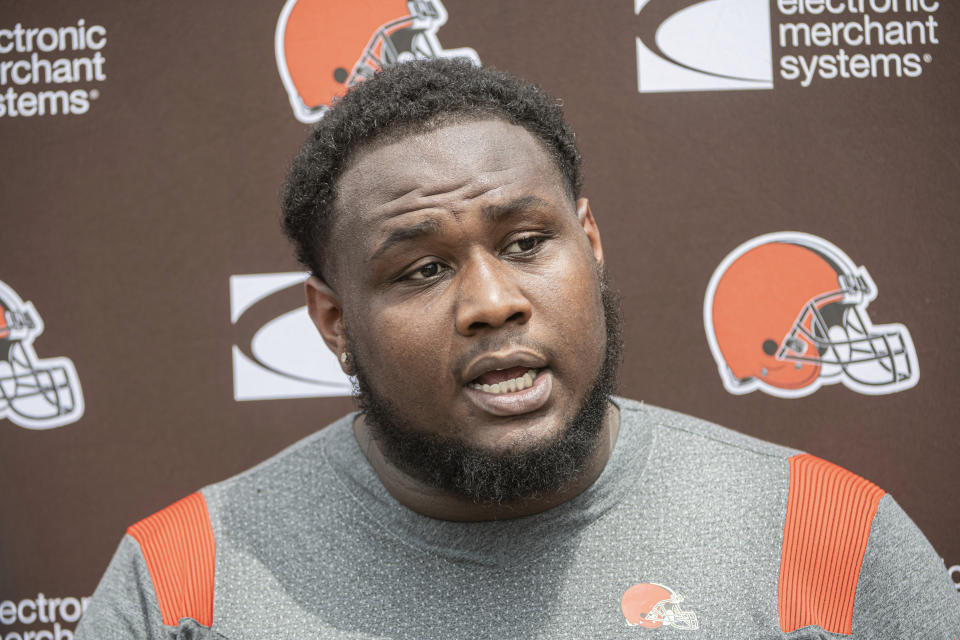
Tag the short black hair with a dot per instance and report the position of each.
(411, 97)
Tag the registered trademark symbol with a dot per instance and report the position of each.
(927, 57)
(95, 93)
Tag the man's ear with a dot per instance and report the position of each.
(324, 308)
(585, 216)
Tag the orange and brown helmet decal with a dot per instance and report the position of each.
(651, 605)
(785, 313)
(323, 47)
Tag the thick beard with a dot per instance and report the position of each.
(471, 472)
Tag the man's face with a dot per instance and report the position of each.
(469, 289)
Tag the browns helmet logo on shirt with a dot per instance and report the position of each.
(324, 47)
(651, 605)
(786, 313)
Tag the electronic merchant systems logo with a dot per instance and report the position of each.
(277, 351)
(49, 71)
(714, 45)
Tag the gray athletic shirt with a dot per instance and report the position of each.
(691, 531)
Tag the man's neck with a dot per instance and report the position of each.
(435, 503)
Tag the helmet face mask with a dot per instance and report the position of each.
(847, 344)
(35, 393)
(400, 40)
(669, 613)
(786, 313)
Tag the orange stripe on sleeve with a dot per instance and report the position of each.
(829, 514)
(178, 546)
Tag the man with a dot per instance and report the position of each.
(490, 486)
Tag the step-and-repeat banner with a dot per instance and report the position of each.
(776, 183)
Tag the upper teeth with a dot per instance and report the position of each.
(507, 386)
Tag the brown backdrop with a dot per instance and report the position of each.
(124, 224)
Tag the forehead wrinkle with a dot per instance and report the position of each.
(493, 212)
(413, 201)
(432, 197)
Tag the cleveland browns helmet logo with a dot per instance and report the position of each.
(324, 47)
(787, 312)
(35, 393)
(652, 605)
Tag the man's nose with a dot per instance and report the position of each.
(489, 296)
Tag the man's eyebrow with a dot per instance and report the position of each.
(430, 226)
(496, 212)
(409, 232)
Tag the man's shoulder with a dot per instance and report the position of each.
(713, 453)
(844, 548)
(180, 544)
(308, 452)
(274, 483)
(703, 434)
(284, 484)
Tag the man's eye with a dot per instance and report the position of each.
(426, 272)
(523, 245)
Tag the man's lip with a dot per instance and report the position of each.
(503, 360)
(514, 403)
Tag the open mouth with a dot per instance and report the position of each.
(510, 392)
(505, 380)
